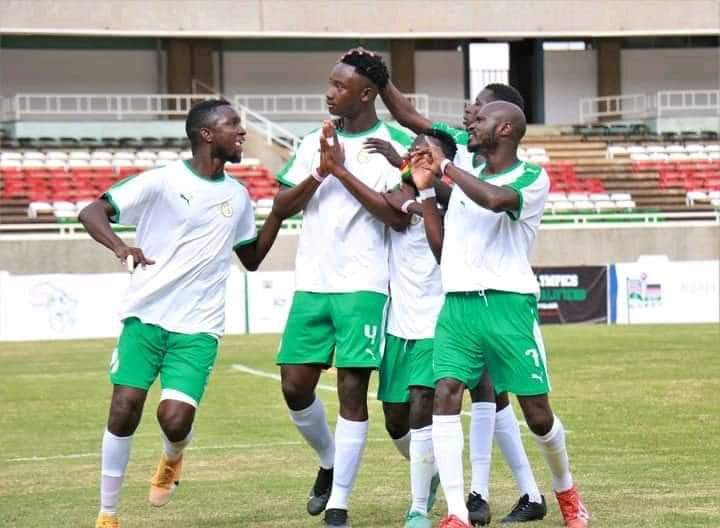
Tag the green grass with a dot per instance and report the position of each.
(642, 404)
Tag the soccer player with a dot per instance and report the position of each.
(491, 412)
(489, 318)
(406, 373)
(190, 218)
(341, 276)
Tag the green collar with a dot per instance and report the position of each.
(189, 167)
(483, 176)
(373, 128)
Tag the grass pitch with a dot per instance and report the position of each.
(642, 405)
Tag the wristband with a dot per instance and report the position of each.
(424, 194)
(316, 175)
(404, 206)
(443, 166)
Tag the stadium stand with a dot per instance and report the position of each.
(51, 185)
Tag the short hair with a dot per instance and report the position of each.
(447, 143)
(201, 115)
(369, 66)
(505, 92)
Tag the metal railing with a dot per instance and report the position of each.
(685, 102)
(272, 132)
(118, 106)
(640, 106)
(613, 107)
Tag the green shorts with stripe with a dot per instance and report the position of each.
(406, 363)
(498, 331)
(348, 326)
(183, 361)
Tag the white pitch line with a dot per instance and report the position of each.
(321, 386)
(190, 448)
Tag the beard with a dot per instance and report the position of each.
(228, 156)
(485, 144)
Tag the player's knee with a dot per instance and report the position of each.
(501, 401)
(422, 408)
(297, 395)
(448, 396)
(484, 391)
(396, 421)
(175, 426)
(124, 416)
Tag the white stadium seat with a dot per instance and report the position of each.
(556, 197)
(35, 208)
(599, 197)
(639, 156)
(636, 149)
(625, 204)
(675, 148)
(101, 155)
(578, 196)
(10, 156)
(146, 154)
(605, 205)
(100, 163)
(33, 164)
(167, 154)
(561, 207)
(79, 155)
(659, 156)
(694, 147)
(55, 163)
(78, 163)
(33, 155)
(651, 149)
(618, 197)
(56, 155)
(583, 205)
(144, 163)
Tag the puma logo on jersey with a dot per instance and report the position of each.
(186, 198)
(370, 352)
(536, 377)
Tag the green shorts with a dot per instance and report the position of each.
(183, 361)
(498, 331)
(350, 326)
(406, 363)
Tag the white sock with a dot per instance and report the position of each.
(115, 456)
(350, 439)
(507, 436)
(552, 446)
(482, 426)
(422, 467)
(173, 450)
(403, 445)
(448, 441)
(313, 426)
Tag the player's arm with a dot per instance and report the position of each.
(423, 173)
(332, 159)
(442, 192)
(403, 110)
(493, 197)
(252, 254)
(96, 220)
(289, 201)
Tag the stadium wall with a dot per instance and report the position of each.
(646, 71)
(78, 71)
(556, 247)
(403, 18)
(569, 76)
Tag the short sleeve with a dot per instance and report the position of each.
(460, 136)
(300, 165)
(245, 228)
(131, 196)
(532, 187)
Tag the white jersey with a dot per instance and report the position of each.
(463, 157)
(483, 250)
(189, 226)
(342, 247)
(416, 294)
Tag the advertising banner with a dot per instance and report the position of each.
(665, 292)
(269, 295)
(576, 294)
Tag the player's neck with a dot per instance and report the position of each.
(210, 168)
(361, 122)
(499, 160)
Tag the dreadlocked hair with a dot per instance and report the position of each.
(370, 66)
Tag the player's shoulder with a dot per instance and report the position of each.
(398, 135)
(533, 174)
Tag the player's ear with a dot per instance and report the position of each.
(505, 129)
(368, 94)
(206, 135)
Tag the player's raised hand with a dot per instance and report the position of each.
(402, 195)
(332, 153)
(133, 256)
(380, 146)
(421, 164)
